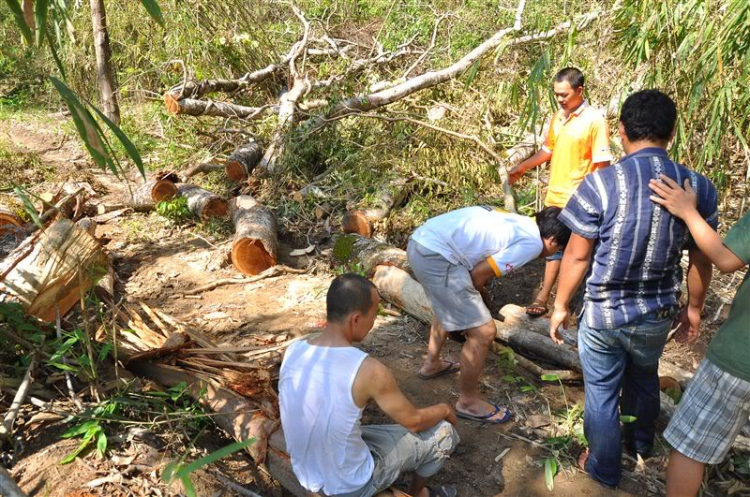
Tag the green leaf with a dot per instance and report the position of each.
(28, 206)
(550, 470)
(189, 488)
(527, 388)
(213, 457)
(80, 429)
(101, 444)
(473, 70)
(628, 419)
(40, 18)
(17, 11)
(550, 377)
(123, 138)
(153, 9)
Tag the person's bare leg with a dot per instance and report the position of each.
(432, 362)
(684, 475)
(473, 355)
(551, 270)
(418, 487)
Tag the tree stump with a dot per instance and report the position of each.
(255, 247)
(243, 160)
(51, 268)
(204, 204)
(146, 196)
(389, 196)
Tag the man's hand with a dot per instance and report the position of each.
(679, 202)
(451, 416)
(689, 322)
(560, 316)
(515, 173)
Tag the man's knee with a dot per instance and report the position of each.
(446, 438)
(484, 334)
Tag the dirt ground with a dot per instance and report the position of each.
(155, 263)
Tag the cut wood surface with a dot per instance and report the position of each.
(8, 220)
(145, 196)
(388, 196)
(52, 267)
(355, 249)
(255, 247)
(204, 204)
(193, 107)
(243, 160)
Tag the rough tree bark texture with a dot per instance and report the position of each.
(104, 62)
(255, 247)
(204, 204)
(356, 249)
(389, 196)
(192, 107)
(243, 160)
(51, 268)
(147, 195)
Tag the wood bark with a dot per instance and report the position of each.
(147, 195)
(255, 247)
(104, 61)
(203, 167)
(356, 249)
(193, 107)
(524, 149)
(8, 220)
(388, 196)
(514, 315)
(51, 269)
(243, 160)
(204, 204)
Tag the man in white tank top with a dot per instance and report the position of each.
(324, 385)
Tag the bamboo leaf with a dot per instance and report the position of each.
(28, 206)
(153, 9)
(550, 470)
(213, 457)
(627, 419)
(17, 11)
(550, 377)
(40, 17)
(130, 148)
(101, 444)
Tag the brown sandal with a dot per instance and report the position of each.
(537, 309)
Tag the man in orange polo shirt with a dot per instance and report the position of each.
(577, 144)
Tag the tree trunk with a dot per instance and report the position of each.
(369, 253)
(243, 160)
(51, 268)
(8, 220)
(28, 14)
(192, 107)
(389, 196)
(514, 315)
(147, 195)
(204, 204)
(255, 247)
(104, 61)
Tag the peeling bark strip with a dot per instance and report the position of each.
(51, 269)
(147, 195)
(356, 249)
(255, 246)
(204, 204)
(243, 160)
(193, 107)
(389, 196)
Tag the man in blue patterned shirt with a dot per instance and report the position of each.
(631, 248)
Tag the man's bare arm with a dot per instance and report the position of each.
(575, 263)
(535, 160)
(481, 275)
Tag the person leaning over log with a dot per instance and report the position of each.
(716, 405)
(453, 256)
(325, 383)
(577, 144)
(634, 248)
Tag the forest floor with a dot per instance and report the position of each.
(155, 262)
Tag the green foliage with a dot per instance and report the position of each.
(550, 470)
(175, 210)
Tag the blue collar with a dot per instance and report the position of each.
(647, 151)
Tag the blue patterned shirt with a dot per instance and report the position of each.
(636, 262)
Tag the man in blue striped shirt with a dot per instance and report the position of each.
(631, 248)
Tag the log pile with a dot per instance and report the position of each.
(255, 247)
(145, 196)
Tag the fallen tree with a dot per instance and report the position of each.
(243, 160)
(354, 249)
(389, 195)
(203, 204)
(255, 247)
(145, 196)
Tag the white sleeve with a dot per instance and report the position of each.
(516, 255)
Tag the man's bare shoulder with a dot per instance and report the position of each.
(373, 377)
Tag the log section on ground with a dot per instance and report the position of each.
(243, 160)
(388, 196)
(204, 204)
(51, 268)
(514, 315)
(368, 253)
(145, 196)
(8, 220)
(255, 247)
(193, 107)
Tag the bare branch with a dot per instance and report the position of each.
(429, 48)
(192, 107)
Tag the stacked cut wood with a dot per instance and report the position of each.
(204, 204)
(51, 269)
(145, 196)
(243, 160)
(389, 196)
(255, 247)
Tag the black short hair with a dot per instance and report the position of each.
(648, 115)
(572, 75)
(549, 225)
(348, 293)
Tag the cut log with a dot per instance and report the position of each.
(51, 268)
(514, 315)
(8, 220)
(203, 167)
(146, 196)
(193, 107)
(389, 196)
(255, 247)
(204, 204)
(243, 160)
(356, 249)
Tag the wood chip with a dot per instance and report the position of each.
(304, 251)
(502, 454)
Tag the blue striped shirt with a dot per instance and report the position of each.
(636, 263)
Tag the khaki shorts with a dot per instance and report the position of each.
(396, 450)
(457, 304)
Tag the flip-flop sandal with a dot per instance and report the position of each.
(453, 367)
(443, 491)
(486, 418)
(537, 309)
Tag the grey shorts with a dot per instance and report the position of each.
(396, 450)
(710, 415)
(457, 304)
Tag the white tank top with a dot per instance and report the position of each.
(321, 422)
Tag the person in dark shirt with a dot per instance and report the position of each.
(631, 248)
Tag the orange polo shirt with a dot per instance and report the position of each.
(576, 143)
